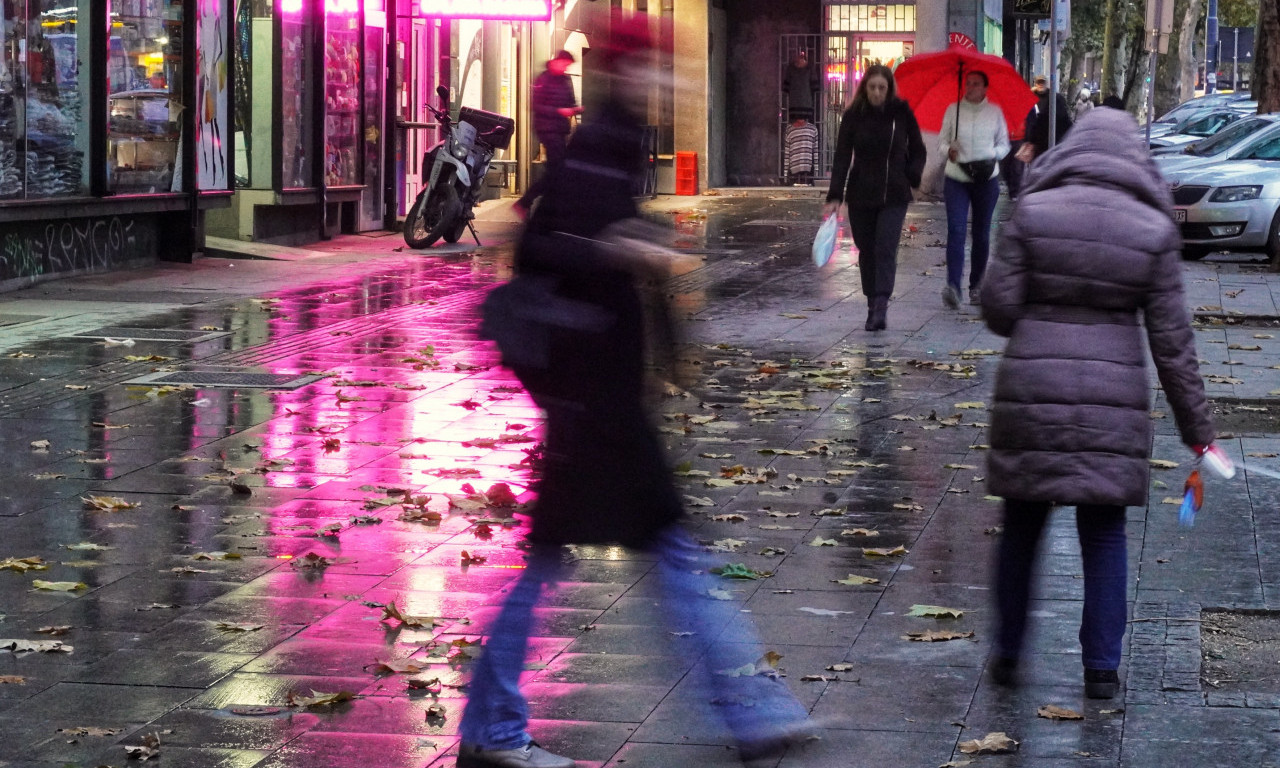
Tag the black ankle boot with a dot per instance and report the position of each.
(1004, 671)
(871, 314)
(880, 313)
(1101, 683)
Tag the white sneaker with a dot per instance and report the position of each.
(529, 756)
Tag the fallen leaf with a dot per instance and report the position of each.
(59, 586)
(935, 612)
(1245, 347)
(818, 541)
(23, 564)
(317, 699)
(311, 560)
(859, 532)
(227, 626)
(1163, 464)
(436, 714)
(765, 666)
(89, 730)
(40, 445)
(842, 667)
(854, 580)
(55, 630)
(216, 556)
(884, 551)
(396, 667)
(823, 611)
(727, 545)
(993, 743)
(390, 612)
(729, 518)
(35, 646)
(698, 501)
(971, 406)
(108, 503)
(470, 559)
(12, 680)
(189, 569)
(936, 636)
(150, 748)
(1054, 712)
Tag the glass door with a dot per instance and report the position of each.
(372, 207)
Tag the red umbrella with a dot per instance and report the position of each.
(930, 82)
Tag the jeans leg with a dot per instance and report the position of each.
(1023, 524)
(1102, 545)
(888, 234)
(753, 706)
(985, 196)
(956, 195)
(497, 715)
(862, 224)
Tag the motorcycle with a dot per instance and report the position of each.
(453, 173)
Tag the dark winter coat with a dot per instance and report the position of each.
(887, 152)
(1037, 126)
(605, 477)
(1089, 251)
(551, 93)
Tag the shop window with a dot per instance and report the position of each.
(296, 98)
(144, 95)
(342, 93)
(43, 124)
(863, 17)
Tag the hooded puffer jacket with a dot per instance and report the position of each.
(1090, 249)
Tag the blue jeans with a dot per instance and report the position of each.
(1102, 546)
(959, 195)
(497, 715)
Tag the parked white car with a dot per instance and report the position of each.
(1236, 139)
(1230, 205)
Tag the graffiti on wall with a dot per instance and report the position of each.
(31, 249)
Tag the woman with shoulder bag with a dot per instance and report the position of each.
(880, 138)
(975, 138)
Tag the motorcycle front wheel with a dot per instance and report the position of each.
(431, 217)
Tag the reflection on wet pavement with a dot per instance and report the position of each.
(260, 547)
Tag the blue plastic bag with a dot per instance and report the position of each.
(824, 243)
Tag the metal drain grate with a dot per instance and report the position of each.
(228, 379)
(148, 334)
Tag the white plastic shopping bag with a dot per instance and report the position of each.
(824, 243)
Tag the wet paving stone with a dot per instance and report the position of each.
(609, 683)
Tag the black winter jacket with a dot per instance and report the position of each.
(887, 153)
(551, 93)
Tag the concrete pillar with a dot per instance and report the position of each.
(932, 25)
(692, 77)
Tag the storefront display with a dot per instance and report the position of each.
(42, 129)
(144, 101)
(342, 96)
(296, 63)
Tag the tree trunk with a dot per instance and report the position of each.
(1111, 26)
(1266, 57)
(1168, 79)
(1187, 47)
(1136, 72)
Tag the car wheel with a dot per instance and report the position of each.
(1194, 253)
(1273, 240)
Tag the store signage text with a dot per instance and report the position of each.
(539, 10)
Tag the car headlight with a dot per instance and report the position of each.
(1235, 194)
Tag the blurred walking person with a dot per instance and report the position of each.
(605, 479)
(879, 159)
(554, 105)
(975, 138)
(1071, 423)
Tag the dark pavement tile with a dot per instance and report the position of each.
(162, 668)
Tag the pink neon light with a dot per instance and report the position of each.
(290, 6)
(535, 10)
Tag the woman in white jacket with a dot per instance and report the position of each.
(974, 137)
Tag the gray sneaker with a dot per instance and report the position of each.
(529, 756)
(951, 297)
(975, 297)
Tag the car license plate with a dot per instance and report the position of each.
(1180, 215)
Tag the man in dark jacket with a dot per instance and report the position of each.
(1037, 133)
(553, 105)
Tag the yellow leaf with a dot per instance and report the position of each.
(318, 699)
(859, 532)
(971, 406)
(936, 636)
(935, 612)
(818, 541)
(1163, 464)
(854, 580)
(1054, 712)
(884, 551)
(23, 564)
(993, 743)
(59, 586)
(215, 556)
(108, 503)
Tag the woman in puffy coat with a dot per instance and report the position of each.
(1071, 423)
(880, 138)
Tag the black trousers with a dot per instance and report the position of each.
(554, 144)
(876, 232)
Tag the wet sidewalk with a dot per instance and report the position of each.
(213, 557)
